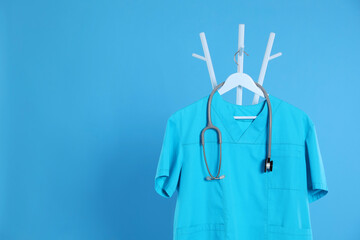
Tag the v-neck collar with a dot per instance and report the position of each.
(226, 112)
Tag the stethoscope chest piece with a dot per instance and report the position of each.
(268, 165)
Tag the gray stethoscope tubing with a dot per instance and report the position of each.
(268, 162)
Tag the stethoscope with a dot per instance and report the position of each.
(268, 163)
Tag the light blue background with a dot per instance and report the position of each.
(87, 86)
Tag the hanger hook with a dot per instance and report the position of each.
(239, 52)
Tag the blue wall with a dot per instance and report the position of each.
(86, 88)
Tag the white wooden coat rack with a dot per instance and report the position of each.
(240, 62)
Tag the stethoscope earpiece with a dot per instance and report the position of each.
(208, 178)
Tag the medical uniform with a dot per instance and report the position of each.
(248, 204)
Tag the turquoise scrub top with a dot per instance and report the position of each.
(248, 204)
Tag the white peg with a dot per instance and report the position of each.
(207, 59)
(275, 56)
(199, 57)
(265, 62)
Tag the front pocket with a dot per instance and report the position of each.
(209, 231)
(289, 171)
(288, 213)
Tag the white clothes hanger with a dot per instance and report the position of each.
(239, 79)
(242, 80)
(234, 79)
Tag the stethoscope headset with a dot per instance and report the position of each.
(268, 166)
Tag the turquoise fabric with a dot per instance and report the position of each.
(247, 203)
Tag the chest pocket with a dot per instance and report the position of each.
(289, 171)
(288, 208)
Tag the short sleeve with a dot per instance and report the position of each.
(169, 165)
(317, 186)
